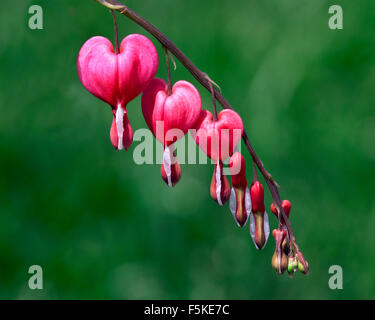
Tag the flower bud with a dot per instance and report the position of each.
(220, 189)
(170, 169)
(287, 206)
(240, 201)
(303, 266)
(279, 258)
(259, 225)
(257, 196)
(292, 265)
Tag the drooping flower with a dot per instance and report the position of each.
(118, 78)
(169, 118)
(259, 224)
(218, 138)
(240, 200)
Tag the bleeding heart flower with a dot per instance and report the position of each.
(218, 138)
(279, 258)
(117, 78)
(259, 224)
(169, 117)
(240, 200)
(178, 111)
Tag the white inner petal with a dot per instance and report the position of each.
(252, 229)
(120, 125)
(247, 201)
(279, 259)
(218, 184)
(266, 228)
(233, 204)
(167, 165)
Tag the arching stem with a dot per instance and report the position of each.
(202, 78)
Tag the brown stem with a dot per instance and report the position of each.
(255, 173)
(213, 99)
(117, 48)
(168, 70)
(203, 79)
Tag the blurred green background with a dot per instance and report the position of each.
(102, 227)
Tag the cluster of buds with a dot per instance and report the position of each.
(285, 257)
(297, 262)
(245, 203)
(117, 76)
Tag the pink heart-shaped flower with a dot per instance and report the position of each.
(218, 138)
(169, 117)
(117, 78)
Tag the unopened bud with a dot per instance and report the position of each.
(240, 202)
(303, 266)
(220, 189)
(287, 206)
(279, 258)
(259, 224)
(240, 205)
(292, 265)
(257, 196)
